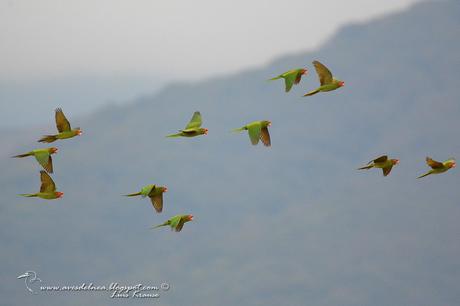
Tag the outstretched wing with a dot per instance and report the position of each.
(180, 225)
(289, 79)
(265, 137)
(380, 159)
(47, 182)
(325, 76)
(254, 133)
(434, 164)
(387, 170)
(44, 159)
(62, 123)
(195, 122)
(157, 202)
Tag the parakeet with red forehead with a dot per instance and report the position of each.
(257, 130)
(383, 163)
(177, 222)
(43, 156)
(291, 77)
(193, 128)
(47, 188)
(63, 127)
(439, 167)
(326, 80)
(155, 193)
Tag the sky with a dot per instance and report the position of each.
(86, 55)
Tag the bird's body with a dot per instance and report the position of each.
(177, 222)
(438, 167)
(43, 156)
(291, 77)
(327, 81)
(257, 130)
(47, 188)
(63, 127)
(383, 162)
(155, 193)
(193, 128)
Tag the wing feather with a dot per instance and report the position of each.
(62, 123)
(325, 76)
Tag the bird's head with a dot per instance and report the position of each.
(189, 218)
(206, 131)
(341, 83)
(164, 189)
(59, 194)
(452, 163)
(79, 131)
(303, 71)
(53, 150)
(269, 123)
(395, 161)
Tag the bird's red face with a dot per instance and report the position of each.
(165, 189)
(206, 131)
(341, 83)
(303, 71)
(79, 132)
(453, 164)
(190, 218)
(59, 194)
(395, 161)
(53, 150)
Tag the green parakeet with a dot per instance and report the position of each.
(193, 128)
(383, 163)
(326, 80)
(438, 167)
(177, 222)
(47, 188)
(155, 193)
(291, 77)
(43, 156)
(257, 130)
(63, 127)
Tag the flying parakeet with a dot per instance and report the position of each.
(176, 222)
(64, 129)
(291, 77)
(257, 130)
(382, 162)
(193, 128)
(438, 167)
(43, 156)
(155, 193)
(326, 80)
(47, 188)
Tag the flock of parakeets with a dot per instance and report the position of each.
(257, 130)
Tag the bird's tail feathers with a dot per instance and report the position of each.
(423, 175)
(174, 135)
(28, 195)
(365, 167)
(160, 225)
(275, 78)
(133, 194)
(23, 155)
(48, 138)
(239, 129)
(311, 93)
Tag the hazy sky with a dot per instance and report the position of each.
(49, 39)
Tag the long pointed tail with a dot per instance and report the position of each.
(174, 135)
(48, 138)
(28, 195)
(160, 225)
(365, 167)
(275, 78)
(311, 93)
(428, 173)
(23, 155)
(239, 129)
(132, 194)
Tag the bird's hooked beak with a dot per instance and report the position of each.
(341, 83)
(269, 123)
(206, 131)
(304, 71)
(24, 275)
(190, 217)
(397, 162)
(166, 189)
(55, 150)
(454, 165)
(80, 132)
(59, 194)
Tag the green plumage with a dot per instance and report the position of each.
(47, 188)
(257, 130)
(193, 128)
(438, 167)
(327, 81)
(155, 193)
(291, 77)
(63, 127)
(383, 163)
(176, 223)
(43, 156)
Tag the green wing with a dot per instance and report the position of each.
(175, 221)
(195, 122)
(254, 132)
(47, 183)
(325, 76)
(290, 79)
(44, 159)
(434, 164)
(380, 159)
